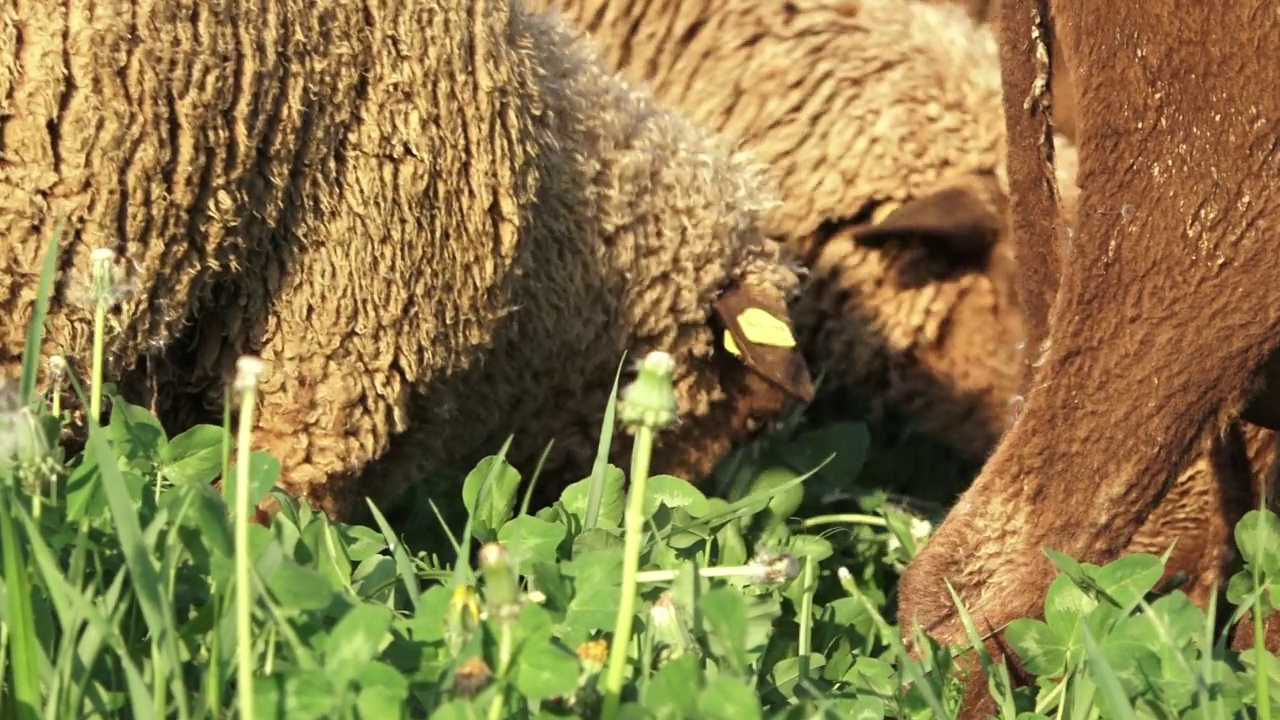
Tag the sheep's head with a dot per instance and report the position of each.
(916, 303)
(761, 373)
(770, 371)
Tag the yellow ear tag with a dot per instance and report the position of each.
(730, 345)
(884, 210)
(762, 328)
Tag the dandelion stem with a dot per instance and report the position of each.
(633, 524)
(246, 382)
(1262, 675)
(843, 519)
(505, 646)
(656, 576)
(95, 379)
(502, 595)
(809, 585)
(102, 279)
(57, 377)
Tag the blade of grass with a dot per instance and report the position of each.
(1165, 635)
(92, 645)
(146, 579)
(302, 654)
(737, 508)
(533, 481)
(1207, 674)
(462, 572)
(595, 491)
(138, 696)
(35, 329)
(906, 664)
(404, 565)
(1105, 677)
(4, 656)
(75, 607)
(23, 699)
(997, 681)
(453, 541)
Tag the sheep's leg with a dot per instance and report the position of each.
(1070, 443)
(1035, 161)
(333, 392)
(325, 417)
(1034, 213)
(1129, 322)
(1224, 500)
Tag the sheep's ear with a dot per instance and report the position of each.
(964, 217)
(756, 330)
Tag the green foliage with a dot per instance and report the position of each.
(766, 599)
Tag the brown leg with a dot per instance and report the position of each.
(1033, 207)
(1135, 381)
(1203, 503)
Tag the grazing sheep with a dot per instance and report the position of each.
(437, 223)
(765, 77)
(865, 111)
(1162, 316)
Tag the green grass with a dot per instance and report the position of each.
(133, 589)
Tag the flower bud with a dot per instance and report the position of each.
(775, 568)
(248, 369)
(670, 632)
(501, 586)
(650, 400)
(593, 654)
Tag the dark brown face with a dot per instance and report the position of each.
(762, 373)
(758, 403)
(756, 329)
(753, 405)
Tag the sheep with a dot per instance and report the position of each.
(1151, 351)
(744, 69)
(879, 121)
(437, 224)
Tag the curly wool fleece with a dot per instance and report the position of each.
(437, 223)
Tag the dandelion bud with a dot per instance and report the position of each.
(248, 368)
(57, 370)
(650, 400)
(22, 439)
(773, 568)
(461, 617)
(501, 587)
(670, 633)
(57, 378)
(102, 275)
(846, 581)
(27, 441)
(920, 530)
